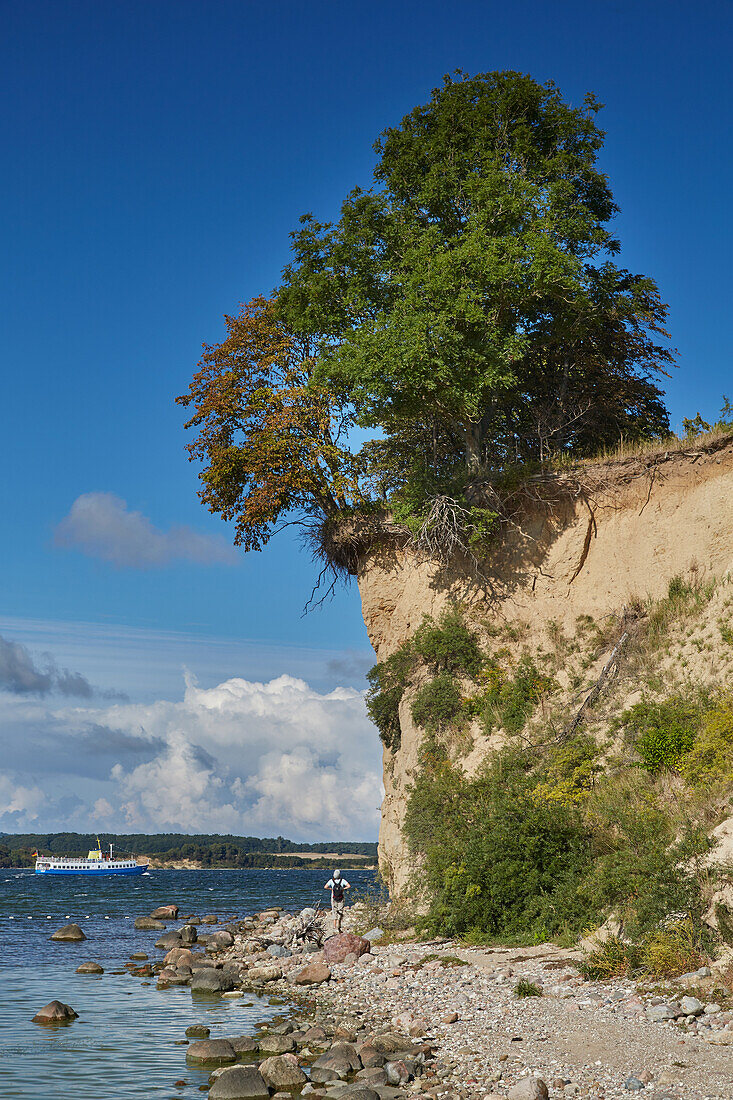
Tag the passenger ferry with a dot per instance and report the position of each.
(96, 863)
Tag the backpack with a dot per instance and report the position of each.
(338, 891)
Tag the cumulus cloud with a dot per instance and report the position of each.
(100, 525)
(273, 757)
(20, 674)
(19, 805)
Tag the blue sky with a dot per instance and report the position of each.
(156, 157)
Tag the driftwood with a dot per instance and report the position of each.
(597, 687)
(311, 929)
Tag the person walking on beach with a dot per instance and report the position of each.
(337, 885)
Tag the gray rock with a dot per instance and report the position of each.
(55, 1012)
(188, 934)
(211, 1051)
(198, 1031)
(712, 1009)
(322, 1075)
(371, 1057)
(243, 1044)
(360, 1092)
(239, 1083)
(633, 1084)
(691, 1006)
(208, 980)
(149, 924)
(530, 1088)
(374, 934)
(658, 1013)
(276, 1044)
(221, 939)
(342, 1058)
(90, 968)
(70, 933)
(282, 1073)
(169, 940)
(279, 951)
(397, 1073)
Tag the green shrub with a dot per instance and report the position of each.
(437, 703)
(664, 952)
(448, 645)
(509, 701)
(523, 988)
(387, 682)
(711, 757)
(663, 733)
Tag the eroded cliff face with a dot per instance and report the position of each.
(636, 525)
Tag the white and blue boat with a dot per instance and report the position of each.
(96, 863)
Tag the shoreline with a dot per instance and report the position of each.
(448, 1016)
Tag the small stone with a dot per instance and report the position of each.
(149, 924)
(691, 1006)
(70, 933)
(451, 1018)
(198, 1031)
(712, 1009)
(90, 968)
(658, 1013)
(276, 1044)
(55, 1012)
(633, 1084)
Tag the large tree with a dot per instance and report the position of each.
(467, 310)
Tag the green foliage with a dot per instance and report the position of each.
(508, 700)
(711, 757)
(663, 733)
(448, 645)
(387, 683)
(523, 988)
(664, 952)
(437, 703)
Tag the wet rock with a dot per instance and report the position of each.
(244, 1044)
(198, 1031)
(212, 1051)
(165, 912)
(322, 1076)
(55, 1012)
(282, 1073)
(239, 1083)
(276, 1044)
(360, 1092)
(188, 934)
(149, 924)
(169, 940)
(338, 947)
(531, 1088)
(70, 933)
(210, 919)
(90, 968)
(313, 974)
(208, 980)
(178, 956)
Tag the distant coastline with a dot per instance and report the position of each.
(198, 852)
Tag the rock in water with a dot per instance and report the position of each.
(188, 934)
(208, 980)
(338, 947)
(531, 1088)
(282, 1073)
(217, 1051)
(165, 912)
(276, 1044)
(148, 924)
(55, 1012)
(239, 1083)
(90, 968)
(313, 974)
(70, 933)
(198, 1031)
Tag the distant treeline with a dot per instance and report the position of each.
(208, 849)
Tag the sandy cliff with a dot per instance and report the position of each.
(633, 525)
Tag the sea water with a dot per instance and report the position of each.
(124, 1043)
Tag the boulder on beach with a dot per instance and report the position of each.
(276, 1044)
(169, 940)
(70, 933)
(178, 956)
(208, 980)
(342, 1058)
(531, 1088)
(263, 974)
(55, 1012)
(336, 948)
(282, 1073)
(165, 912)
(243, 1044)
(148, 924)
(90, 968)
(239, 1083)
(313, 974)
(211, 1051)
(221, 939)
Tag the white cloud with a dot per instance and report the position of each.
(101, 526)
(19, 805)
(272, 758)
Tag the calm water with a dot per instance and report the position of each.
(124, 1043)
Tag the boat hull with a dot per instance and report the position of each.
(102, 872)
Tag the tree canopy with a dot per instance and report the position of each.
(466, 310)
